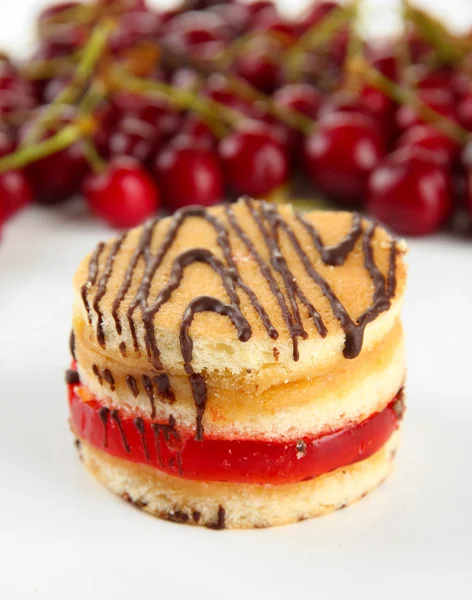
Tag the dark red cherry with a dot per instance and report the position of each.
(235, 15)
(442, 101)
(316, 13)
(464, 111)
(192, 28)
(135, 138)
(188, 174)
(410, 192)
(218, 89)
(7, 144)
(58, 176)
(254, 160)
(300, 97)
(123, 195)
(341, 153)
(260, 63)
(197, 132)
(134, 27)
(266, 21)
(469, 192)
(15, 192)
(437, 79)
(445, 149)
(258, 6)
(383, 57)
(155, 111)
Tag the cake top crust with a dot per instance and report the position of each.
(247, 271)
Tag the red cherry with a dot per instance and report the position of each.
(410, 192)
(123, 195)
(218, 89)
(469, 192)
(258, 6)
(438, 79)
(192, 28)
(15, 192)
(316, 13)
(58, 176)
(464, 111)
(442, 101)
(266, 21)
(254, 160)
(54, 10)
(135, 138)
(7, 145)
(134, 27)
(300, 97)
(383, 57)
(259, 63)
(154, 111)
(197, 132)
(189, 175)
(235, 15)
(426, 136)
(341, 153)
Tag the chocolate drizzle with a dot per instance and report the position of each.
(147, 383)
(92, 277)
(139, 424)
(108, 377)
(72, 377)
(72, 344)
(275, 269)
(171, 437)
(115, 415)
(131, 383)
(97, 374)
(104, 413)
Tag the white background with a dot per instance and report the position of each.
(64, 537)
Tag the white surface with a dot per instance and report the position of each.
(64, 537)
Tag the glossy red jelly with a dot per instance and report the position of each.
(172, 450)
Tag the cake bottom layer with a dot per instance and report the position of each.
(236, 505)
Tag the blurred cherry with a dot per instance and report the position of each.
(192, 28)
(464, 111)
(410, 192)
(123, 194)
(197, 132)
(259, 63)
(300, 97)
(15, 192)
(188, 174)
(341, 153)
(427, 137)
(442, 101)
(235, 15)
(254, 160)
(134, 27)
(135, 138)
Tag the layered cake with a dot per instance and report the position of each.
(240, 366)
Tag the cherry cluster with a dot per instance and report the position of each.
(141, 110)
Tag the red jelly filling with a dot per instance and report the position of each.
(166, 447)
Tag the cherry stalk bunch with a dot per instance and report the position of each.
(140, 109)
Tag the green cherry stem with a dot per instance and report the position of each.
(57, 142)
(404, 95)
(90, 55)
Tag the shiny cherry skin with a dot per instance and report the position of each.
(266, 21)
(410, 192)
(58, 176)
(7, 144)
(188, 174)
(300, 97)
(341, 153)
(123, 195)
(259, 64)
(383, 57)
(15, 192)
(425, 136)
(197, 132)
(469, 192)
(254, 160)
(154, 111)
(135, 138)
(440, 100)
(217, 88)
(258, 6)
(464, 111)
(133, 27)
(193, 28)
